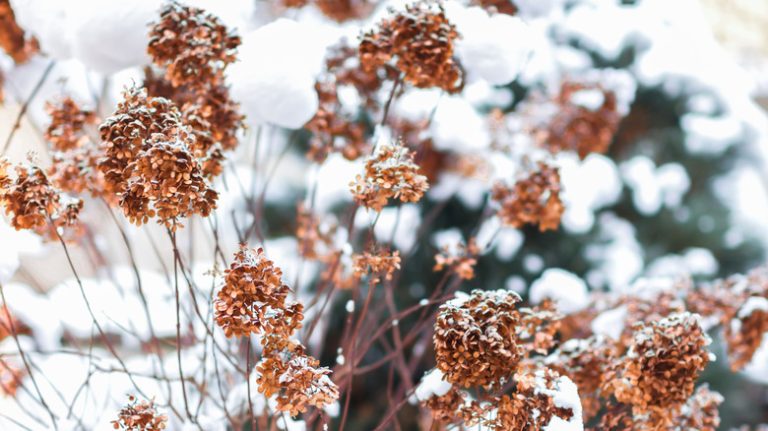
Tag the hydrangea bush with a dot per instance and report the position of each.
(369, 215)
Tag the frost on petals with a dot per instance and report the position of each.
(475, 339)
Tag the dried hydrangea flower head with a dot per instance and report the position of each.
(420, 41)
(460, 258)
(498, 6)
(149, 164)
(74, 154)
(584, 361)
(68, 122)
(740, 304)
(209, 113)
(447, 404)
(253, 298)
(9, 324)
(744, 333)
(475, 338)
(315, 236)
(344, 10)
(333, 131)
(586, 121)
(297, 382)
(660, 369)
(700, 411)
(126, 133)
(192, 45)
(140, 416)
(11, 377)
(169, 178)
(532, 200)
(538, 327)
(377, 264)
(542, 400)
(33, 202)
(390, 173)
(12, 38)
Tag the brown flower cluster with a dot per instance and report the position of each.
(74, 154)
(539, 327)
(140, 416)
(10, 323)
(376, 264)
(68, 122)
(579, 128)
(297, 382)
(12, 38)
(192, 45)
(33, 202)
(475, 338)
(390, 173)
(658, 373)
(337, 10)
(195, 48)
(584, 361)
(700, 411)
(149, 163)
(333, 131)
(498, 6)
(532, 200)
(420, 41)
(453, 407)
(744, 333)
(532, 405)
(315, 236)
(253, 299)
(740, 304)
(10, 378)
(461, 259)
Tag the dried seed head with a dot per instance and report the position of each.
(744, 333)
(584, 129)
(532, 200)
(344, 10)
(584, 362)
(148, 162)
(461, 259)
(661, 367)
(210, 115)
(534, 403)
(194, 46)
(140, 416)
(33, 202)
(10, 377)
(700, 411)
(475, 338)
(253, 299)
(420, 42)
(68, 121)
(498, 6)
(12, 38)
(377, 264)
(389, 173)
(297, 382)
